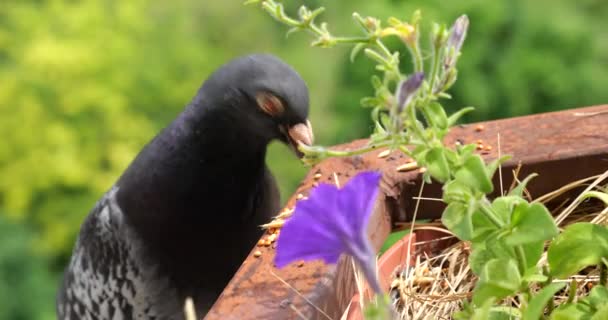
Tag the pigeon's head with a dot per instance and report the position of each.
(266, 96)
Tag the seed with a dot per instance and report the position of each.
(409, 160)
(285, 213)
(261, 242)
(300, 263)
(479, 141)
(407, 167)
(317, 176)
(422, 170)
(423, 281)
(299, 196)
(257, 253)
(274, 224)
(488, 148)
(480, 147)
(384, 153)
(272, 238)
(479, 127)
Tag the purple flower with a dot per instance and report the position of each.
(407, 89)
(457, 34)
(331, 222)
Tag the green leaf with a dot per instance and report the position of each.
(467, 151)
(457, 218)
(451, 156)
(596, 194)
(473, 174)
(598, 297)
(504, 313)
(470, 313)
(492, 166)
(436, 116)
(437, 164)
(530, 223)
(601, 313)
(519, 190)
(533, 251)
(482, 226)
(571, 311)
(392, 239)
(592, 307)
(376, 82)
(455, 191)
(419, 153)
(499, 279)
(536, 305)
(503, 207)
(580, 245)
(479, 257)
(533, 274)
(458, 114)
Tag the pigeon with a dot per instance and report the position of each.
(187, 211)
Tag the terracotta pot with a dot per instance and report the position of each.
(394, 260)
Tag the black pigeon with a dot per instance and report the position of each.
(186, 212)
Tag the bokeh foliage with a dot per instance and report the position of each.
(85, 84)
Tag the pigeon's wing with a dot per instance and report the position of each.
(104, 279)
(98, 257)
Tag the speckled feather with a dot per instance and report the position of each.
(108, 277)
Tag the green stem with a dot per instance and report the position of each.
(346, 153)
(384, 49)
(351, 40)
(572, 291)
(417, 57)
(551, 304)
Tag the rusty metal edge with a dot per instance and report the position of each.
(561, 146)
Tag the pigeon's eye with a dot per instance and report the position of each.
(270, 104)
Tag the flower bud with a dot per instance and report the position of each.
(407, 90)
(458, 33)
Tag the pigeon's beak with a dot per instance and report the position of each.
(300, 133)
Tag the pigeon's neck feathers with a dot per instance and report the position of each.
(203, 154)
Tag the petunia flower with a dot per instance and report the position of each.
(332, 222)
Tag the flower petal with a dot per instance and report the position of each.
(310, 232)
(330, 222)
(357, 199)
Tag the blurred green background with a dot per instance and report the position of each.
(85, 84)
